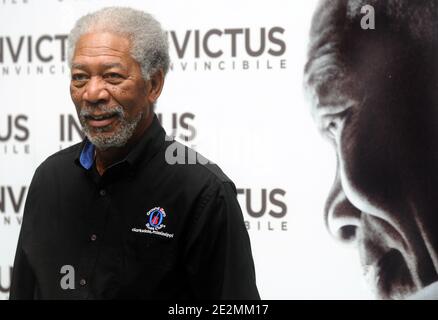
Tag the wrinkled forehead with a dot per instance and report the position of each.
(329, 82)
(327, 77)
(346, 61)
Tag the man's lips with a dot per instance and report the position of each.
(101, 120)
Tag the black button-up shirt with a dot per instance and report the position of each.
(146, 228)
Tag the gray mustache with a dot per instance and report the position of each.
(87, 112)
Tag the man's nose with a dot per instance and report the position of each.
(342, 218)
(96, 91)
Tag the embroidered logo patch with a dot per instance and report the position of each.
(155, 219)
(154, 223)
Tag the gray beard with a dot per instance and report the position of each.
(118, 138)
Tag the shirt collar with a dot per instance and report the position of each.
(86, 157)
(150, 143)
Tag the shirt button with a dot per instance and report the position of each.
(83, 282)
(93, 237)
(102, 192)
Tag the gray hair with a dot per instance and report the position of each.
(149, 44)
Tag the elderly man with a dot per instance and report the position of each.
(375, 98)
(111, 218)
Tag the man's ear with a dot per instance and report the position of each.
(154, 86)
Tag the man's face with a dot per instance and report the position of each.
(382, 122)
(108, 90)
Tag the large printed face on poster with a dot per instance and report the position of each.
(373, 75)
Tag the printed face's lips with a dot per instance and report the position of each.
(390, 276)
(102, 120)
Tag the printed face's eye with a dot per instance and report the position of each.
(332, 127)
(334, 122)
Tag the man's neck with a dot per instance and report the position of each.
(106, 158)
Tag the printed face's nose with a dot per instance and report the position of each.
(342, 218)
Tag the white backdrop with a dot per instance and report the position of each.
(246, 113)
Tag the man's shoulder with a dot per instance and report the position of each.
(54, 167)
(214, 175)
(213, 170)
(194, 168)
(62, 157)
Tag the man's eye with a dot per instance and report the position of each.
(79, 77)
(114, 76)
